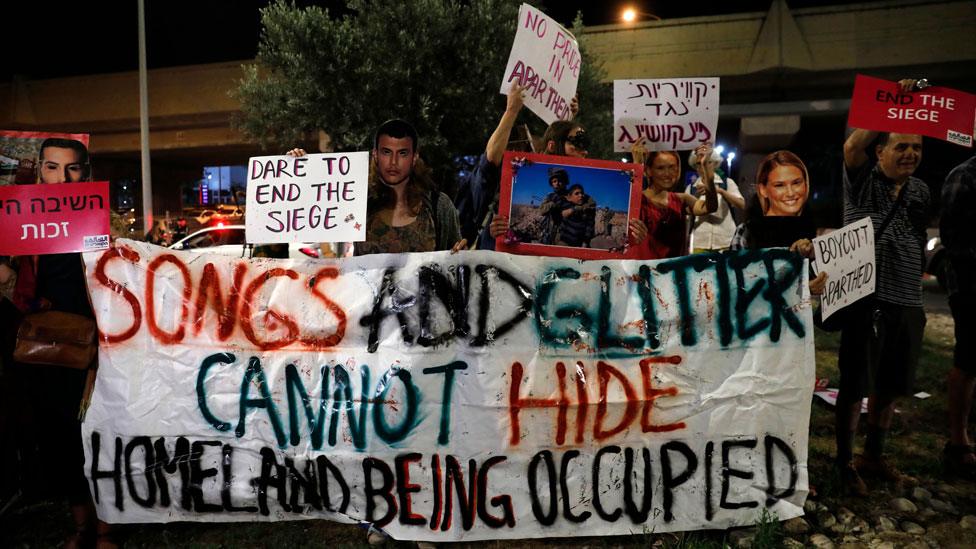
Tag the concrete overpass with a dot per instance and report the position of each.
(781, 70)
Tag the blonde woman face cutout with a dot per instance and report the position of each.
(784, 192)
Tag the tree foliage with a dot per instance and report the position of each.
(436, 63)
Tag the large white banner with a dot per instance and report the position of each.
(313, 198)
(451, 397)
(672, 114)
(546, 61)
(847, 256)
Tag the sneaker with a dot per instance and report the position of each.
(849, 481)
(954, 461)
(881, 468)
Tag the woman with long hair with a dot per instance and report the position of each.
(662, 208)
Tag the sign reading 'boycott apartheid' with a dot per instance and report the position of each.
(546, 61)
(943, 113)
(54, 218)
(672, 114)
(313, 198)
(847, 256)
(451, 397)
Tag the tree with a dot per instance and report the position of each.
(437, 63)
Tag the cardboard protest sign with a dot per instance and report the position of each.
(313, 198)
(19, 153)
(546, 61)
(450, 397)
(943, 113)
(54, 219)
(673, 114)
(568, 207)
(847, 256)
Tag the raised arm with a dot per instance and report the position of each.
(708, 203)
(498, 141)
(855, 147)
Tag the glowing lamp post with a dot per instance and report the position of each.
(629, 15)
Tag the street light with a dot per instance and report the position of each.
(731, 157)
(629, 15)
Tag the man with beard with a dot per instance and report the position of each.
(884, 331)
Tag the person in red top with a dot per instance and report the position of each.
(662, 209)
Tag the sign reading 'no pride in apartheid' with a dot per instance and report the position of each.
(942, 113)
(546, 61)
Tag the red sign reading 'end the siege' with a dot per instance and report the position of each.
(51, 219)
(937, 112)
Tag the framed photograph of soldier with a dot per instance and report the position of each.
(567, 207)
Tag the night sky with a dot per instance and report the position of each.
(68, 39)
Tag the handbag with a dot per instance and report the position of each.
(56, 338)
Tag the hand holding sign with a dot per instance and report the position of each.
(847, 256)
(901, 107)
(314, 198)
(545, 61)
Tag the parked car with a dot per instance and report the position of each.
(225, 214)
(229, 240)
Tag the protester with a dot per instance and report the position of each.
(663, 210)
(477, 196)
(53, 394)
(713, 231)
(885, 331)
(959, 239)
(406, 212)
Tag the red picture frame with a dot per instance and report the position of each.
(544, 220)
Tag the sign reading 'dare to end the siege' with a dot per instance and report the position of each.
(546, 61)
(671, 114)
(942, 113)
(847, 256)
(312, 198)
(54, 218)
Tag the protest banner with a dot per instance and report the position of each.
(450, 397)
(568, 207)
(674, 114)
(54, 219)
(546, 61)
(18, 154)
(847, 256)
(312, 198)
(942, 113)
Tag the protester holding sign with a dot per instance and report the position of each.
(959, 238)
(51, 393)
(886, 331)
(663, 210)
(713, 231)
(406, 213)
